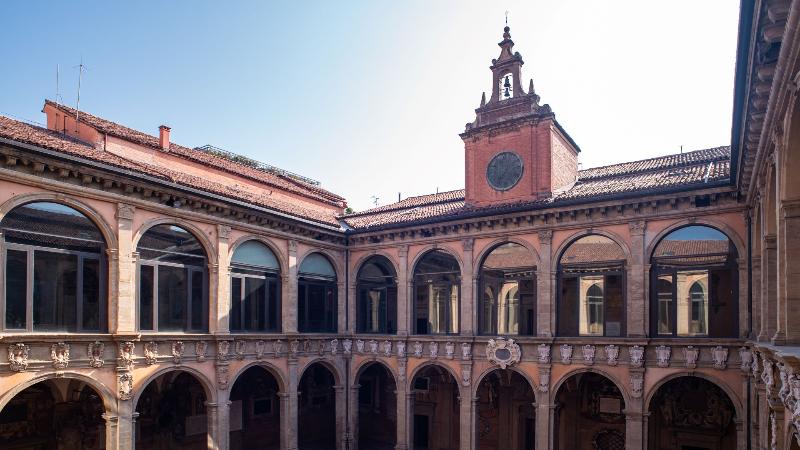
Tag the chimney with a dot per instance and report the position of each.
(163, 137)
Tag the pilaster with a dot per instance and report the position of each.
(467, 301)
(289, 297)
(545, 311)
(403, 304)
(290, 419)
(219, 285)
(122, 299)
(637, 304)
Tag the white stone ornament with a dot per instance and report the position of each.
(177, 351)
(637, 356)
(387, 348)
(223, 347)
(691, 355)
(418, 349)
(637, 384)
(294, 346)
(334, 346)
(261, 347)
(449, 350)
(239, 348)
(746, 358)
(544, 353)
(466, 375)
(126, 353)
(320, 348)
(589, 354)
(200, 349)
(277, 348)
(755, 368)
(94, 351)
(612, 354)
(783, 375)
(151, 352)
(466, 351)
(59, 355)
(347, 345)
(18, 356)
(222, 376)
(125, 385)
(401, 349)
(662, 355)
(373, 347)
(503, 352)
(360, 346)
(720, 356)
(307, 346)
(566, 354)
(767, 376)
(433, 349)
(544, 379)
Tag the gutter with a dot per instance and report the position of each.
(746, 9)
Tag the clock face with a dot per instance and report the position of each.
(504, 171)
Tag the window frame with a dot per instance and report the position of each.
(482, 290)
(306, 281)
(615, 268)
(366, 285)
(269, 276)
(454, 284)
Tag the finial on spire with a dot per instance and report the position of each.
(483, 100)
(530, 87)
(506, 34)
(506, 17)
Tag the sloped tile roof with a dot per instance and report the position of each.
(681, 171)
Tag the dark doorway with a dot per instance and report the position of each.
(420, 431)
(255, 411)
(172, 414)
(317, 409)
(377, 409)
(505, 412)
(589, 414)
(436, 400)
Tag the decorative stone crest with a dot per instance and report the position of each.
(151, 352)
(294, 347)
(222, 376)
(334, 346)
(347, 345)
(177, 351)
(18, 356)
(401, 349)
(612, 354)
(637, 356)
(223, 347)
(662, 355)
(466, 374)
(566, 354)
(544, 353)
(544, 379)
(754, 367)
(720, 356)
(503, 352)
(545, 236)
(126, 353)
(239, 347)
(373, 347)
(307, 346)
(261, 347)
(637, 384)
(59, 355)
(690, 354)
(125, 211)
(433, 349)
(588, 354)
(418, 349)
(125, 385)
(773, 428)
(767, 376)
(320, 348)
(449, 350)
(746, 358)
(783, 375)
(200, 348)
(94, 351)
(277, 348)
(387, 348)
(360, 346)
(466, 351)
(401, 371)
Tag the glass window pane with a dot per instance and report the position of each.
(172, 298)
(273, 302)
(198, 304)
(169, 243)
(236, 304)
(723, 302)
(692, 293)
(614, 311)
(16, 288)
(254, 253)
(146, 297)
(318, 265)
(91, 295)
(591, 306)
(568, 307)
(54, 225)
(55, 288)
(664, 298)
(254, 304)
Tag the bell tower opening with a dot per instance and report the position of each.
(515, 149)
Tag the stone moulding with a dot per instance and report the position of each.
(18, 356)
(59, 354)
(94, 351)
(503, 352)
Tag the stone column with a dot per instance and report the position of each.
(111, 422)
(219, 285)
(401, 399)
(758, 304)
(634, 428)
(467, 301)
(219, 418)
(284, 408)
(352, 305)
(545, 312)
(354, 415)
(289, 297)
(342, 437)
(410, 396)
(403, 291)
(637, 304)
(544, 409)
(122, 306)
(125, 438)
(769, 299)
(341, 307)
(291, 418)
(466, 419)
(213, 432)
(789, 273)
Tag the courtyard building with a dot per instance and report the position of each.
(155, 296)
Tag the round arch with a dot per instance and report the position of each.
(705, 221)
(479, 379)
(337, 377)
(335, 262)
(279, 255)
(105, 229)
(109, 400)
(359, 263)
(737, 404)
(364, 365)
(270, 368)
(208, 388)
(491, 246)
(423, 366)
(621, 386)
(208, 246)
(590, 232)
(429, 248)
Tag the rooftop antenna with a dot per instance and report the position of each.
(58, 75)
(81, 68)
(506, 17)
(681, 149)
(375, 200)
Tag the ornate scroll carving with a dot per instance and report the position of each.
(662, 355)
(637, 384)
(545, 236)
(466, 351)
(360, 346)
(449, 350)
(223, 347)
(222, 376)
(612, 354)
(177, 351)
(690, 354)
(334, 346)
(94, 351)
(59, 355)
(637, 356)
(126, 354)
(401, 349)
(18, 356)
(125, 385)
(433, 349)
(261, 347)
(418, 349)
(544, 353)
(200, 348)
(347, 345)
(239, 346)
(151, 352)
(589, 352)
(387, 348)
(503, 352)
(720, 356)
(373, 347)
(746, 358)
(566, 354)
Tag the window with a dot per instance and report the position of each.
(506, 86)
(591, 288)
(172, 281)
(377, 297)
(508, 283)
(316, 295)
(437, 287)
(255, 289)
(695, 284)
(55, 269)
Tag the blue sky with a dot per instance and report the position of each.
(369, 97)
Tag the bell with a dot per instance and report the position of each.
(506, 92)
(507, 87)
(507, 83)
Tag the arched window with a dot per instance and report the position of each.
(695, 284)
(316, 292)
(55, 270)
(255, 289)
(591, 288)
(173, 289)
(508, 280)
(377, 297)
(506, 86)
(437, 287)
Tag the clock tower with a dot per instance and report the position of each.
(516, 151)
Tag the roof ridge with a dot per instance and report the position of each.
(398, 205)
(646, 170)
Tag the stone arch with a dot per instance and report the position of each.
(105, 229)
(269, 367)
(789, 152)
(106, 394)
(621, 386)
(478, 259)
(208, 386)
(737, 240)
(423, 366)
(208, 246)
(333, 259)
(429, 248)
(365, 257)
(366, 363)
(589, 232)
(477, 382)
(328, 364)
(279, 254)
(737, 403)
